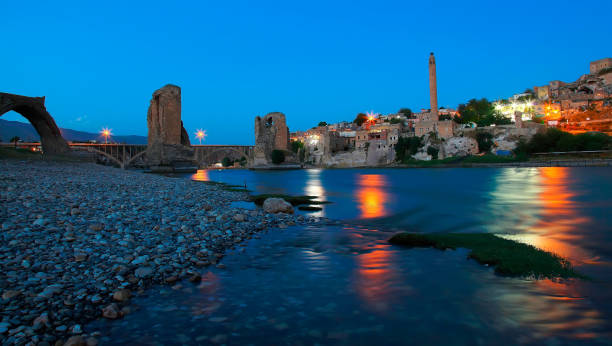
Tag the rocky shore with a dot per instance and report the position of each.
(77, 241)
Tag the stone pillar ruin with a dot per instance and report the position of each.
(271, 133)
(168, 142)
(518, 119)
(433, 88)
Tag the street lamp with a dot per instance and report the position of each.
(106, 133)
(200, 134)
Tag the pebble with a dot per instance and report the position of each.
(122, 295)
(76, 235)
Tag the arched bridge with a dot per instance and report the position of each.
(123, 155)
(207, 155)
(126, 155)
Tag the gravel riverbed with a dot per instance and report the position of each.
(78, 240)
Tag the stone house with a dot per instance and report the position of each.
(598, 65)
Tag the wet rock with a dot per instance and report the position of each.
(76, 340)
(111, 311)
(122, 295)
(277, 205)
(96, 227)
(195, 278)
(9, 294)
(239, 217)
(143, 272)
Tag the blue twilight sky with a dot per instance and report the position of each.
(98, 62)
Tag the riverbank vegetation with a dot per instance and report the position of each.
(555, 140)
(465, 161)
(227, 187)
(510, 258)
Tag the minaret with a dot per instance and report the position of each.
(433, 88)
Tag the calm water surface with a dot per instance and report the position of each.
(347, 285)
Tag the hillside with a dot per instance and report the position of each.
(25, 131)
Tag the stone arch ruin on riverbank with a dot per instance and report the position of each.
(33, 109)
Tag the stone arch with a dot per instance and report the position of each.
(107, 155)
(133, 158)
(33, 109)
(242, 153)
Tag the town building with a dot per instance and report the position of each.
(601, 64)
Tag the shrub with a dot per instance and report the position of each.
(278, 156)
(406, 147)
(226, 162)
(485, 141)
(433, 152)
(296, 145)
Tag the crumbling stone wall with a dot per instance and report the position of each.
(271, 133)
(168, 141)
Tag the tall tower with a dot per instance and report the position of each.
(433, 88)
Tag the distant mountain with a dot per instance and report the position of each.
(27, 133)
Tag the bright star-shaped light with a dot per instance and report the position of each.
(371, 115)
(200, 135)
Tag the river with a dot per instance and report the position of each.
(346, 285)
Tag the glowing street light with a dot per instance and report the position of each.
(200, 134)
(106, 133)
(371, 116)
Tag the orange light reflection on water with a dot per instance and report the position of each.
(558, 226)
(371, 196)
(375, 278)
(201, 175)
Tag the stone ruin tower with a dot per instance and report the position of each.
(168, 142)
(433, 88)
(271, 133)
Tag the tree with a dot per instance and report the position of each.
(15, 140)
(278, 156)
(406, 147)
(226, 162)
(322, 123)
(395, 121)
(296, 145)
(482, 112)
(360, 119)
(528, 91)
(407, 112)
(302, 154)
(433, 152)
(485, 141)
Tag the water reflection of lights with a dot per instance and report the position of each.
(200, 175)
(209, 287)
(536, 206)
(374, 277)
(371, 196)
(314, 187)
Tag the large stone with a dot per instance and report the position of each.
(122, 295)
(111, 311)
(271, 133)
(168, 142)
(277, 205)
